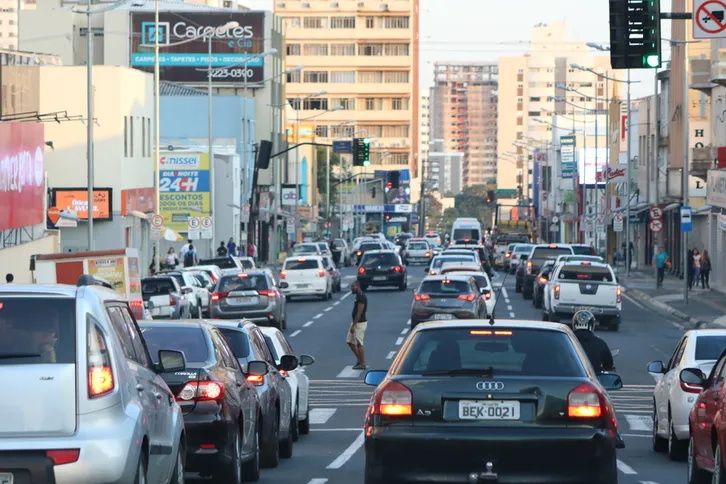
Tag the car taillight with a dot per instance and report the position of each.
(422, 297)
(63, 456)
(397, 269)
(219, 295)
(321, 272)
(466, 297)
(488, 295)
(359, 253)
(508, 255)
(584, 402)
(137, 308)
(542, 280)
(557, 291)
(619, 295)
(201, 391)
(529, 266)
(267, 292)
(361, 270)
(433, 273)
(172, 301)
(283, 274)
(100, 372)
(330, 271)
(257, 380)
(394, 400)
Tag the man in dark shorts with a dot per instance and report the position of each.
(357, 331)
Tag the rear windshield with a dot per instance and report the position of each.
(418, 246)
(301, 265)
(157, 287)
(246, 264)
(444, 287)
(439, 261)
(385, 259)
(710, 347)
(367, 247)
(236, 283)
(526, 352)
(583, 250)
(306, 249)
(37, 330)
(585, 273)
(522, 248)
(548, 252)
(190, 341)
(547, 268)
(322, 246)
(466, 234)
(481, 280)
(221, 262)
(237, 341)
(179, 279)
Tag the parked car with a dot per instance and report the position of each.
(214, 272)
(334, 273)
(85, 390)
(222, 414)
(305, 276)
(166, 299)
(278, 420)
(199, 297)
(543, 278)
(382, 268)
(249, 295)
(299, 382)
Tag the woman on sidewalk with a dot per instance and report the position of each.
(696, 274)
(705, 270)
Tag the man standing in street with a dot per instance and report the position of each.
(357, 331)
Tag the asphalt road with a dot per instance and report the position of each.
(332, 453)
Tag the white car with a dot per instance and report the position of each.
(324, 248)
(433, 238)
(305, 276)
(199, 297)
(297, 378)
(306, 249)
(484, 284)
(214, 272)
(417, 251)
(345, 252)
(440, 260)
(514, 258)
(672, 398)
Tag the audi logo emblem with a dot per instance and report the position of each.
(489, 386)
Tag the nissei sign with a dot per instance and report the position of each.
(188, 161)
(716, 188)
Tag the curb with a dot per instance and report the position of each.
(666, 308)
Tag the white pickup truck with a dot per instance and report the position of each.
(583, 285)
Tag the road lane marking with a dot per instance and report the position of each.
(391, 355)
(408, 323)
(349, 372)
(320, 416)
(318, 316)
(350, 277)
(328, 308)
(640, 423)
(509, 308)
(318, 481)
(511, 315)
(296, 333)
(344, 285)
(307, 324)
(642, 436)
(347, 294)
(349, 452)
(625, 468)
(504, 293)
(399, 341)
(336, 303)
(404, 331)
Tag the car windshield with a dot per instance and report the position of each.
(306, 249)
(581, 272)
(252, 282)
(466, 234)
(515, 351)
(418, 246)
(445, 287)
(367, 247)
(439, 261)
(300, 264)
(479, 277)
(710, 347)
(37, 330)
(375, 260)
(583, 250)
(162, 286)
(550, 252)
(190, 341)
(221, 262)
(237, 341)
(547, 268)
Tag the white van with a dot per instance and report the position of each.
(466, 230)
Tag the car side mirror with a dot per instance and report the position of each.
(692, 379)
(375, 377)
(171, 361)
(306, 360)
(257, 368)
(656, 367)
(288, 362)
(210, 288)
(610, 381)
(187, 290)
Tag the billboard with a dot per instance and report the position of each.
(231, 49)
(183, 188)
(22, 175)
(76, 200)
(590, 163)
(139, 200)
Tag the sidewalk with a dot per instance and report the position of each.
(705, 308)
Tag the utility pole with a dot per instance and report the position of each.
(422, 210)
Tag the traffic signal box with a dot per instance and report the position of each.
(361, 151)
(635, 36)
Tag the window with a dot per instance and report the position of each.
(126, 136)
(142, 356)
(158, 287)
(119, 326)
(399, 104)
(315, 49)
(579, 272)
(534, 99)
(385, 259)
(347, 103)
(301, 264)
(444, 288)
(373, 104)
(293, 76)
(342, 22)
(396, 50)
(316, 76)
(294, 102)
(396, 77)
(370, 77)
(190, 341)
(315, 104)
(342, 49)
(394, 132)
(321, 131)
(260, 346)
(534, 113)
(710, 347)
(292, 49)
(148, 136)
(131, 136)
(396, 22)
(370, 49)
(238, 342)
(315, 22)
(292, 22)
(374, 22)
(227, 357)
(342, 77)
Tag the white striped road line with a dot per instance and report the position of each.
(337, 430)
(505, 294)
(625, 468)
(344, 285)
(318, 481)
(349, 372)
(328, 309)
(399, 341)
(349, 452)
(509, 308)
(347, 294)
(391, 355)
(296, 333)
(318, 316)
(405, 331)
(408, 323)
(336, 303)
(350, 277)
(511, 315)
(320, 416)
(648, 482)
(640, 423)
(307, 324)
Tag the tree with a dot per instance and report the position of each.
(433, 210)
(471, 203)
(322, 178)
(448, 217)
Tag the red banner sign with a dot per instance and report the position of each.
(22, 175)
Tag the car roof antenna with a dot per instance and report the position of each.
(494, 310)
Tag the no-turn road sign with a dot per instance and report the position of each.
(656, 225)
(708, 19)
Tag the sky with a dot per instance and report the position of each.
(483, 30)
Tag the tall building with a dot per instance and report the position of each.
(527, 104)
(360, 75)
(9, 21)
(424, 126)
(464, 107)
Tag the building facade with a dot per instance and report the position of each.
(464, 97)
(360, 73)
(424, 128)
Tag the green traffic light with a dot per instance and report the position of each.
(366, 163)
(366, 140)
(652, 60)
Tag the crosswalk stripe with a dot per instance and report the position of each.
(349, 372)
(320, 416)
(639, 423)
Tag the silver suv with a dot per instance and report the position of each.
(92, 406)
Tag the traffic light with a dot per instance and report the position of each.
(361, 151)
(394, 179)
(635, 34)
(490, 196)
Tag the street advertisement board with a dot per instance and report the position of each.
(716, 188)
(22, 175)
(183, 187)
(590, 163)
(567, 147)
(289, 195)
(76, 200)
(139, 200)
(182, 59)
(111, 270)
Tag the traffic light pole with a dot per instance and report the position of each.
(422, 214)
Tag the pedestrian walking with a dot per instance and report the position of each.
(661, 260)
(9, 278)
(185, 248)
(696, 267)
(171, 259)
(252, 251)
(705, 270)
(221, 250)
(190, 257)
(231, 247)
(357, 330)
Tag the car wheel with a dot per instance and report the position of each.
(294, 426)
(141, 469)
(659, 443)
(270, 455)
(288, 298)
(517, 287)
(719, 473)
(402, 286)
(251, 469)
(287, 444)
(677, 449)
(231, 469)
(545, 316)
(696, 475)
(177, 476)
(304, 425)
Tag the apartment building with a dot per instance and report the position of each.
(424, 126)
(527, 91)
(360, 73)
(9, 21)
(464, 99)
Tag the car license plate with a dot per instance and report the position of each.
(584, 308)
(6, 478)
(488, 410)
(302, 286)
(442, 316)
(244, 300)
(380, 278)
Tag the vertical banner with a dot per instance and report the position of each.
(183, 188)
(567, 152)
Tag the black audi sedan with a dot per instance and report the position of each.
(382, 268)
(221, 409)
(467, 401)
